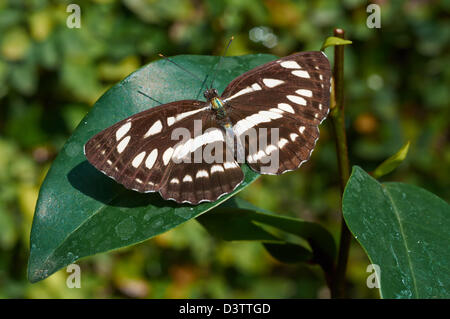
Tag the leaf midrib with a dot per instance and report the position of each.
(403, 234)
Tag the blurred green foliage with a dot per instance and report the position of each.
(397, 89)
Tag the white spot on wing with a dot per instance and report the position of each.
(216, 168)
(297, 99)
(210, 136)
(189, 113)
(259, 155)
(215, 135)
(301, 74)
(151, 159)
(138, 159)
(286, 107)
(182, 150)
(270, 115)
(304, 92)
(272, 82)
(171, 120)
(282, 142)
(256, 87)
(249, 89)
(167, 155)
(270, 148)
(293, 136)
(175, 181)
(290, 65)
(201, 173)
(239, 93)
(301, 129)
(250, 121)
(274, 110)
(123, 130)
(187, 178)
(154, 129)
(123, 143)
(229, 165)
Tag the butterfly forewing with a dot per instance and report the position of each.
(291, 95)
(131, 151)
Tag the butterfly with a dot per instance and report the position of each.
(283, 101)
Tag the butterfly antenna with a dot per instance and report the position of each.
(220, 61)
(201, 88)
(146, 95)
(184, 69)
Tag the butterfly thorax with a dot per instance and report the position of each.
(217, 105)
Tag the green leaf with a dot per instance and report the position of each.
(405, 230)
(332, 41)
(392, 162)
(238, 220)
(80, 211)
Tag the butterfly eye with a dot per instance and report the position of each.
(210, 93)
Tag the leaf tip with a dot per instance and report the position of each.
(392, 162)
(333, 41)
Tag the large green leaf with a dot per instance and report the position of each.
(238, 220)
(80, 211)
(405, 230)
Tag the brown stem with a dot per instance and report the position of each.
(338, 122)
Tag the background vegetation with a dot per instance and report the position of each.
(397, 80)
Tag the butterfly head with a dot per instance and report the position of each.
(210, 94)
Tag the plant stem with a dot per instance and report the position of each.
(338, 122)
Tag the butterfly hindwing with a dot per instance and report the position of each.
(291, 147)
(202, 182)
(208, 169)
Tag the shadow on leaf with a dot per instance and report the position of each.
(91, 182)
